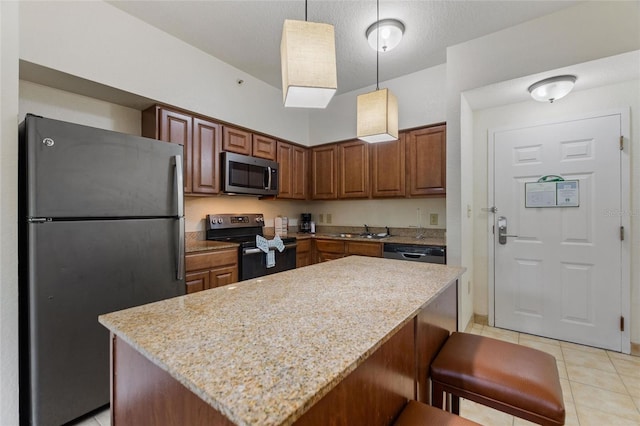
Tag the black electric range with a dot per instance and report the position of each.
(243, 229)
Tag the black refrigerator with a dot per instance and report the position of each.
(101, 228)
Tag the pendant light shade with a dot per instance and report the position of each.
(308, 56)
(377, 116)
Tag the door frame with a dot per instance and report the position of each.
(625, 214)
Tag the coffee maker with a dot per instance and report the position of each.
(305, 222)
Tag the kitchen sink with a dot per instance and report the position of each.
(363, 235)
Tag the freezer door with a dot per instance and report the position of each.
(78, 172)
(79, 270)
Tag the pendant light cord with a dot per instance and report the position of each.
(377, 44)
(305, 10)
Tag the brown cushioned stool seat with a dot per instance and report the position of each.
(515, 379)
(418, 414)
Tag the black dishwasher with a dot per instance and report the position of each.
(416, 253)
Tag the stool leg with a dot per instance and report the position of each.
(455, 404)
(436, 395)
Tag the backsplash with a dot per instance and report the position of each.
(398, 232)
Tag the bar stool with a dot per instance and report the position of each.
(418, 414)
(515, 379)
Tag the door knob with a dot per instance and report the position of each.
(502, 230)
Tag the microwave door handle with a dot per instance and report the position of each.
(268, 178)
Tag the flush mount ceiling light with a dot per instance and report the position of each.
(308, 59)
(378, 110)
(550, 89)
(384, 35)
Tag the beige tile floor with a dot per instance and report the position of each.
(600, 387)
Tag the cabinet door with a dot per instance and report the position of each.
(388, 168)
(300, 175)
(264, 147)
(364, 249)
(176, 127)
(353, 172)
(196, 281)
(236, 140)
(222, 276)
(324, 172)
(303, 253)
(285, 170)
(206, 157)
(426, 159)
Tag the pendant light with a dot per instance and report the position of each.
(378, 110)
(308, 59)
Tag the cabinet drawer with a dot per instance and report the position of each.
(210, 260)
(330, 246)
(364, 249)
(303, 246)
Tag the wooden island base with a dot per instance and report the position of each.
(373, 394)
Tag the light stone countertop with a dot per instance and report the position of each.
(199, 246)
(263, 351)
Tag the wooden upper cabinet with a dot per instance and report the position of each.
(285, 170)
(264, 147)
(426, 161)
(236, 140)
(300, 182)
(206, 156)
(293, 171)
(324, 172)
(388, 168)
(353, 175)
(175, 127)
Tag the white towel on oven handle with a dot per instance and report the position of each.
(263, 244)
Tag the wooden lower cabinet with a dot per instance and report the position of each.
(304, 254)
(334, 249)
(210, 269)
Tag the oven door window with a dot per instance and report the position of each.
(254, 264)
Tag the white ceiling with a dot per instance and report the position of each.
(246, 34)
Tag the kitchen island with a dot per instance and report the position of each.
(344, 342)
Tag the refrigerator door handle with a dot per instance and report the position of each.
(177, 159)
(180, 256)
(179, 184)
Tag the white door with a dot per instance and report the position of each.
(561, 276)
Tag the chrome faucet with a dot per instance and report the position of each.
(366, 229)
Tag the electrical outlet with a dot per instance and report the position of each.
(328, 217)
(321, 217)
(433, 219)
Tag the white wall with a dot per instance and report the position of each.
(98, 42)
(61, 105)
(8, 213)
(465, 291)
(576, 103)
(584, 32)
(420, 96)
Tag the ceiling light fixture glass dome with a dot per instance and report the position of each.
(550, 89)
(391, 32)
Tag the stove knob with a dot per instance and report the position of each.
(220, 220)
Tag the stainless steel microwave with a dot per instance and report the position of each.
(242, 174)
